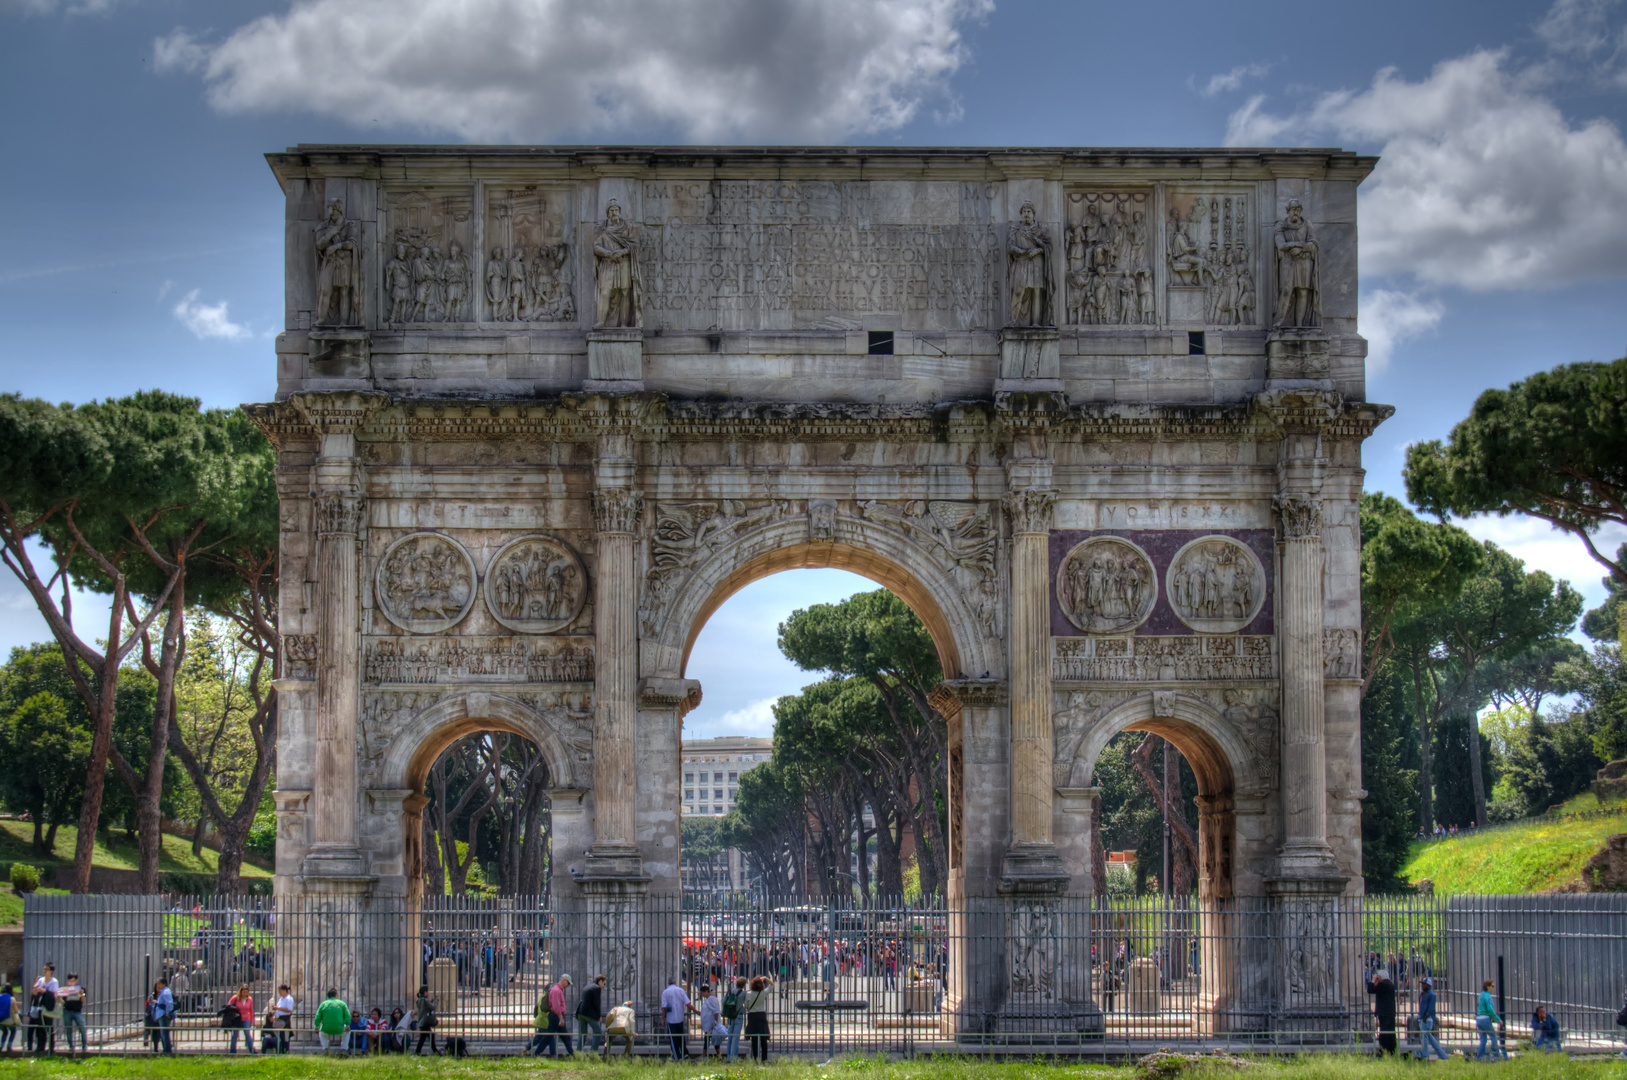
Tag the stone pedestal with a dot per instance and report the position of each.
(1030, 359)
(1312, 946)
(615, 359)
(340, 354)
(1299, 358)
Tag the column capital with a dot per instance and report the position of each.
(1301, 515)
(616, 510)
(338, 513)
(1029, 509)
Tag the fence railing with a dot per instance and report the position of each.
(980, 975)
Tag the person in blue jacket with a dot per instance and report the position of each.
(1427, 1040)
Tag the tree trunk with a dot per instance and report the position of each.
(1426, 752)
(149, 815)
(101, 749)
(39, 831)
(434, 876)
(234, 841)
(197, 837)
(1179, 829)
(1098, 851)
(1477, 779)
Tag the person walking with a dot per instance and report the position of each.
(1382, 989)
(755, 1002)
(282, 1015)
(550, 1020)
(8, 1016)
(734, 1015)
(1426, 1023)
(675, 1010)
(424, 1019)
(243, 1002)
(590, 1016)
(163, 1015)
(619, 1025)
(1486, 1021)
(332, 1022)
(72, 1000)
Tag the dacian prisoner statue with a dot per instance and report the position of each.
(540, 411)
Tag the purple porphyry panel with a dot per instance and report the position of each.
(1161, 546)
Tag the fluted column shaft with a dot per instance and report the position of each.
(1304, 751)
(615, 682)
(1031, 737)
(338, 672)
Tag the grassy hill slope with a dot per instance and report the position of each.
(1516, 859)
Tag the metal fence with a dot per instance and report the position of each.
(1099, 976)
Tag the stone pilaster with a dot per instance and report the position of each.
(1031, 862)
(616, 513)
(335, 861)
(1305, 851)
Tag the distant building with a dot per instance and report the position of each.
(711, 774)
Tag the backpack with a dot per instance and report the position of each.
(731, 1005)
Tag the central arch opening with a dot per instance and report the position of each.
(836, 716)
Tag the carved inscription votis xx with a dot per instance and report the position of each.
(1215, 585)
(536, 585)
(425, 583)
(1106, 585)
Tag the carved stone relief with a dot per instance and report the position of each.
(1034, 948)
(1299, 282)
(425, 583)
(1252, 712)
(1031, 296)
(338, 242)
(1211, 273)
(1110, 277)
(966, 532)
(430, 273)
(1341, 654)
(299, 656)
(1069, 728)
(684, 533)
(472, 659)
(1154, 658)
(1106, 585)
(535, 585)
(616, 271)
(529, 274)
(1215, 585)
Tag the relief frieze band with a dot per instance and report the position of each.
(419, 661)
(1162, 658)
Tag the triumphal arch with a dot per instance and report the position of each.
(1095, 415)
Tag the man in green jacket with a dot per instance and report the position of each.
(332, 1021)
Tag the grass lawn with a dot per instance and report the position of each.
(1520, 859)
(1315, 1067)
(17, 840)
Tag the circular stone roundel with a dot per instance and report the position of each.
(1106, 585)
(1215, 585)
(535, 585)
(425, 583)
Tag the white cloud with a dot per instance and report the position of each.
(500, 70)
(1545, 548)
(1577, 27)
(1228, 81)
(1482, 183)
(1389, 317)
(179, 51)
(45, 7)
(756, 718)
(208, 321)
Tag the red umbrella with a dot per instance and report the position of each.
(694, 943)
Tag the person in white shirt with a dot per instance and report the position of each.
(675, 1009)
(283, 1016)
(47, 980)
(713, 1030)
(619, 1025)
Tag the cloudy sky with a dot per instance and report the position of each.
(142, 248)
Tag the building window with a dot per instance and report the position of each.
(734, 793)
(689, 794)
(733, 777)
(881, 343)
(718, 794)
(717, 777)
(689, 778)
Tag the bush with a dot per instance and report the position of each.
(24, 878)
(263, 835)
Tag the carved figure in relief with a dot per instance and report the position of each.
(425, 281)
(1106, 586)
(1028, 271)
(497, 283)
(1108, 273)
(425, 582)
(551, 299)
(518, 290)
(1299, 296)
(615, 270)
(1185, 264)
(1215, 585)
(535, 584)
(456, 275)
(338, 269)
(398, 284)
(1245, 292)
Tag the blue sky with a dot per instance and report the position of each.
(143, 247)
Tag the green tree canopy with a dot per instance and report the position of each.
(1553, 446)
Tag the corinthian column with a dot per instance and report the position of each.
(1305, 851)
(335, 857)
(615, 687)
(1032, 861)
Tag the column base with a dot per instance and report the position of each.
(1033, 870)
(606, 869)
(336, 871)
(1298, 356)
(1310, 865)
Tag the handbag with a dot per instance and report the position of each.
(230, 1017)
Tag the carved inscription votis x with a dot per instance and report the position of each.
(425, 583)
(1215, 585)
(536, 585)
(1106, 585)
